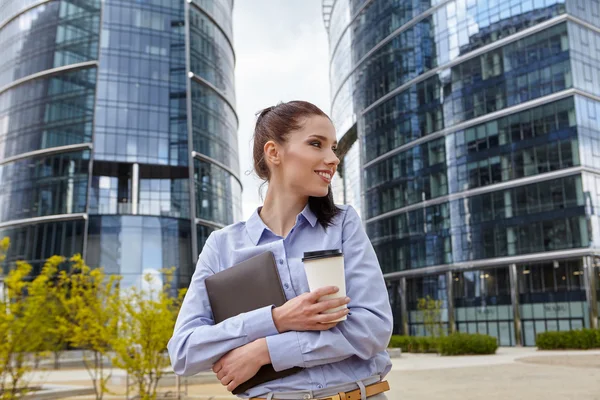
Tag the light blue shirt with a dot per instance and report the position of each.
(351, 351)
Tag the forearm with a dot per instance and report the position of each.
(197, 345)
(364, 334)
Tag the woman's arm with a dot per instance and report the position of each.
(366, 331)
(197, 343)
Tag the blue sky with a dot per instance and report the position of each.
(281, 54)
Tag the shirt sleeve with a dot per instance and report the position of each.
(365, 332)
(197, 343)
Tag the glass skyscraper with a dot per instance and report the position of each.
(472, 139)
(118, 131)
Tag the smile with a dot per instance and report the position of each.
(326, 176)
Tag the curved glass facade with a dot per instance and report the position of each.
(117, 122)
(47, 112)
(477, 136)
(53, 35)
(214, 126)
(44, 185)
(152, 243)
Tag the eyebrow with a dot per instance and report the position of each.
(323, 138)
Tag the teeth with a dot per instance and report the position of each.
(324, 174)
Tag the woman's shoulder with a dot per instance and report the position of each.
(347, 211)
(230, 231)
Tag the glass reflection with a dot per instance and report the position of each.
(211, 55)
(531, 67)
(40, 186)
(540, 217)
(140, 111)
(531, 142)
(552, 298)
(129, 245)
(483, 304)
(434, 287)
(413, 240)
(36, 243)
(55, 34)
(214, 126)
(220, 11)
(47, 112)
(218, 194)
(416, 175)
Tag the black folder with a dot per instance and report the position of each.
(244, 287)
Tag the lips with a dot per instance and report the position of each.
(325, 175)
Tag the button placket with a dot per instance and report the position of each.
(284, 274)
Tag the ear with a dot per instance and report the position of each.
(272, 153)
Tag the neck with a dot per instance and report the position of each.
(280, 210)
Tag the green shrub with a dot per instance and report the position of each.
(455, 344)
(401, 342)
(579, 339)
(464, 343)
(424, 344)
(415, 344)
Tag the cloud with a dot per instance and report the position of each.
(281, 55)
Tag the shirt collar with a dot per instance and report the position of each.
(256, 227)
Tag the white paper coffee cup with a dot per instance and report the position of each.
(326, 268)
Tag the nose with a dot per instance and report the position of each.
(332, 159)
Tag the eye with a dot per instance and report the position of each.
(318, 144)
(335, 149)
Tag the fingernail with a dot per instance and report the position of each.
(347, 299)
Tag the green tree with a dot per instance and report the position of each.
(89, 322)
(148, 316)
(51, 289)
(4, 245)
(20, 324)
(431, 311)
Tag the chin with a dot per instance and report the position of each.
(319, 193)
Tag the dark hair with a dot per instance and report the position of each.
(276, 123)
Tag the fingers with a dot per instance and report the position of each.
(324, 291)
(232, 386)
(221, 374)
(226, 381)
(329, 304)
(326, 326)
(217, 367)
(327, 318)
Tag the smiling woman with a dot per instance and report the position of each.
(342, 353)
(293, 142)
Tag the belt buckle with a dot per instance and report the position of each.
(335, 397)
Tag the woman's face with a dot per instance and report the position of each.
(308, 158)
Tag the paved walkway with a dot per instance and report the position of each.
(513, 373)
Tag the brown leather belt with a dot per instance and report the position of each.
(372, 390)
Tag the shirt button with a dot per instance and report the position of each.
(286, 286)
(320, 386)
(281, 261)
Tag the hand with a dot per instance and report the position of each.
(303, 313)
(241, 364)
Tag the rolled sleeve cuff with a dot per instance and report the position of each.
(259, 323)
(285, 351)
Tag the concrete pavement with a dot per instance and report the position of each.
(513, 373)
(507, 377)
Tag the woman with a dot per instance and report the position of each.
(295, 152)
